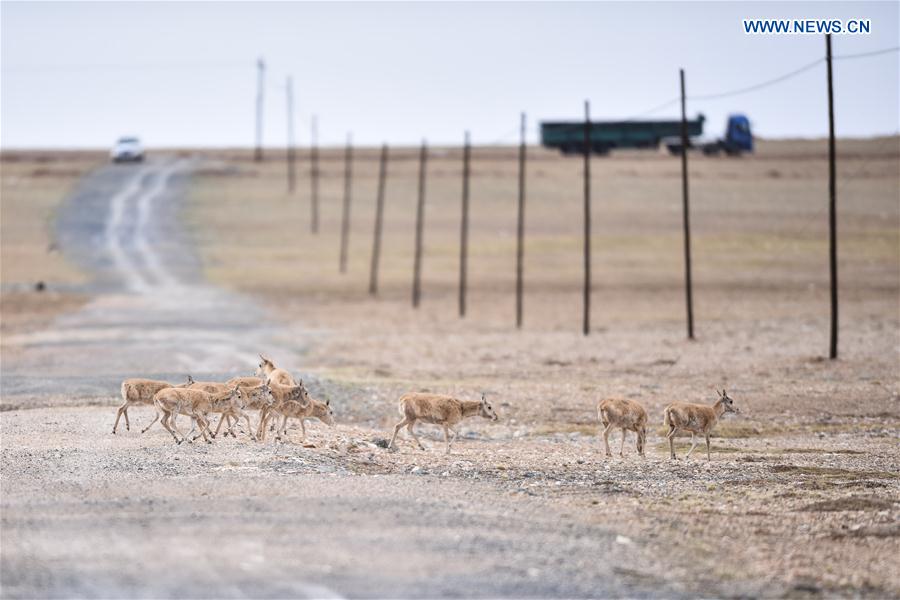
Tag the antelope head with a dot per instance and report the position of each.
(487, 411)
(265, 365)
(727, 403)
(323, 412)
(236, 396)
(299, 394)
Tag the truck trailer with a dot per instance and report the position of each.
(568, 136)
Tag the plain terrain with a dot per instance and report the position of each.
(801, 496)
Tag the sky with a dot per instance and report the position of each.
(81, 74)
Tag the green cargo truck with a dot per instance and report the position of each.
(568, 136)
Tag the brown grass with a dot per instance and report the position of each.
(32, 186)
(850, 503)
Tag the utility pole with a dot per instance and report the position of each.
(260, 86)
(586, 325)
(832, 207)
(345, 220)
(686, 214)
(420, 223)
(379, 218)
(520, 230)
(289, 88)
(464, 227)
(314, 175)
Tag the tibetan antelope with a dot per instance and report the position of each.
(282, 394)
(268, 371)
(258, 396)
(197, 404)
(626, 415)
(695, 418)
(245, 381)
(445, 411)
(141, 391)
(314, 409)
(252, 397)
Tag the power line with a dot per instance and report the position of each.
(865, 54)
(131, 67)
(760, 85)
(656, 108)
(503, 138)
(791, 74)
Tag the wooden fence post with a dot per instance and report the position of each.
(345, 220)
(420, 222)
(291, 175)
(464, 228)
(520, 229)
(686, 214)
(586, 324)
(379, 212)
(260, 91)
(314, 175)
(832, 208)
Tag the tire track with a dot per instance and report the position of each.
(160, 317)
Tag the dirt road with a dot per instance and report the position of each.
(89, 514)
(152, 312)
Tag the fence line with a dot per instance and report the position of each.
(522, 165)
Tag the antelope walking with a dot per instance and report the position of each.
(436, 409)
(695, 418)
(283, 395)
(171, 402)
(258, 396)
(627, 415)
(253, 396)
(141, 391)
(314, 409)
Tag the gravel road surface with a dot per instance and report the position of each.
(89, 514)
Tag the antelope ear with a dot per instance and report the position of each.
(483, 399)
(328, 402)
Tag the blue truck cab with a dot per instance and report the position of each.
(738, 138)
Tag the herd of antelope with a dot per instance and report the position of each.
(272, 391)
(275, 393)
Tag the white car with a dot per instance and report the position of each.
(127, 149)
